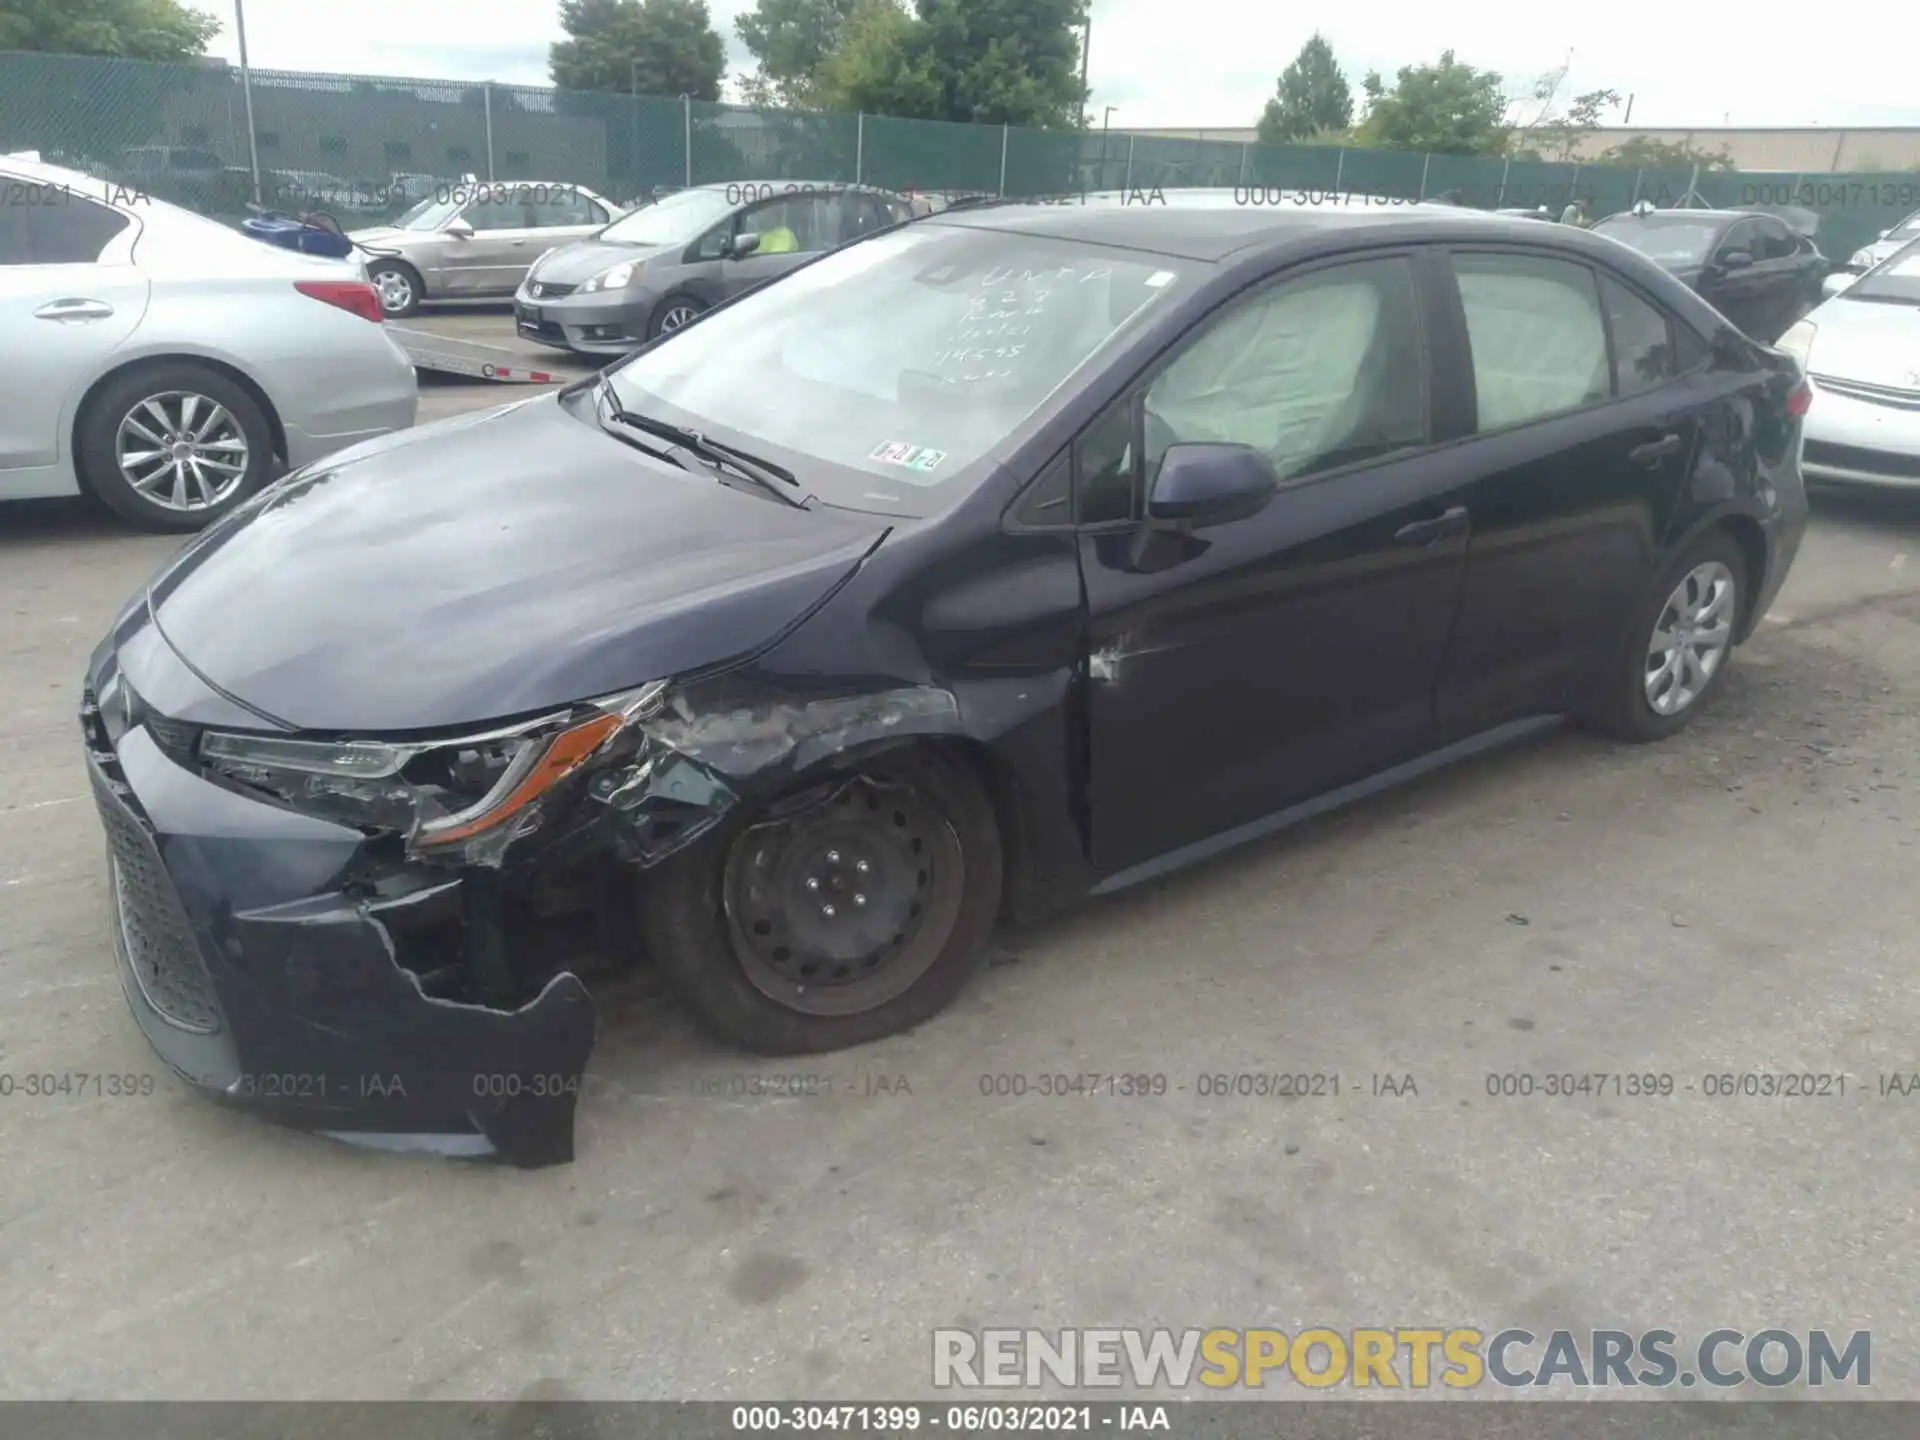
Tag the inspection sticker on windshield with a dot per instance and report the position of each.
(911, 457)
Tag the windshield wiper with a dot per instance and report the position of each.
(716, 454)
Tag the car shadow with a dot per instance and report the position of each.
(1867, 505)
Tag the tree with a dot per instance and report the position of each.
(1557, 137)
(1445, 109)
(1646, 153)
(655, 47)
(995, 62)
(790, 41)
(1313, 97)
(137, 29)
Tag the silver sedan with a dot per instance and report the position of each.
(1861, 350)
(167, 366)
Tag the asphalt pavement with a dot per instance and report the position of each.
(1738, 901)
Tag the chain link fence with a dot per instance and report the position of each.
(368, 147)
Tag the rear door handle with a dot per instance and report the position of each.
(74, 310)
(1425, 532)
(1654, 451)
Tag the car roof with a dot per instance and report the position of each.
(1211, 225)
(1662, 217)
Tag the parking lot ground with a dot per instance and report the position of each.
(1739, 900)
(488, 322)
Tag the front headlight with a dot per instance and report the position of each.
(466, 797)
(1798, 341)
(614, 279)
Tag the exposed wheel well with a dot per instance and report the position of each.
(147, 362)
(1003, 789)
(1752, 540)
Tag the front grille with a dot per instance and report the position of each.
(1855, 457)
(160, 948)
(1874, 394)
(548, 290)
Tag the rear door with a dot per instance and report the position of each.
(1582, 433)
(1239, 669)
(69, 295)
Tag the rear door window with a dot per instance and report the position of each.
(1643, 357)
(1538, 340)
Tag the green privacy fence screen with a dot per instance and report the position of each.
(366, 146)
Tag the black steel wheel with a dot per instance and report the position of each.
(845, 911)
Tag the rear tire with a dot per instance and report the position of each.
(1679, 644)
(137, 419)
(851, 910)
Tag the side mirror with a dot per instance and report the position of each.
(742, 245)
(1736, 260)
(459, 229)
(1835, 283)
(1206, 484)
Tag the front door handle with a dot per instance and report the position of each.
(1426, 532)
(1654, 451)
(74, 310)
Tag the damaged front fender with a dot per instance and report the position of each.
(710, 747)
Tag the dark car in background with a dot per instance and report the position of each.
(653, 270)
(1756, 269)
(1012, 554)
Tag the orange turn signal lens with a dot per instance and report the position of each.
(524, 783)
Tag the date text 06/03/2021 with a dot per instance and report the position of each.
(951, 1419)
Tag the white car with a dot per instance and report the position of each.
(1871, 254)
(166, 365)
(1861, 350)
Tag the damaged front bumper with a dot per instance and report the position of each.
(351, 984)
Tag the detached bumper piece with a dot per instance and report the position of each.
(260, 980)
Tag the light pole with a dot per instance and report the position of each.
(1086, 49)
(1103, 143)
(246, 89)
(633, 105)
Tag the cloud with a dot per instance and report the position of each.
(1215, 68)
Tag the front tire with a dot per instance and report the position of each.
(399, 287)
(1679, 645)
(172, 447)
(672, 313)
(851, 910)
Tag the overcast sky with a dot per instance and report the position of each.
(1684, 65)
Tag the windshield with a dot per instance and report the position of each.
(1670, 242)
(429, 214)
(1894, 281)
(672, 220)
(882, 373)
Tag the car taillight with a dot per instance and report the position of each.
(354, 296)
(1799, 399)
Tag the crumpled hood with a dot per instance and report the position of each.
(581, 261)
(485, 567)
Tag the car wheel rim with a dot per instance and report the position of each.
(676, 317)
(182, 451)
(844, 900)
(1690, 639)
(396, 291)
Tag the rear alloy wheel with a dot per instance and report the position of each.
(1681, 643)
(671, 316)
(845, 912)
(174, 447)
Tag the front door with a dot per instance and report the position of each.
(1739, 291)
(1581, 464)
(495, 257)
(1235, 670)
(793, 229)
